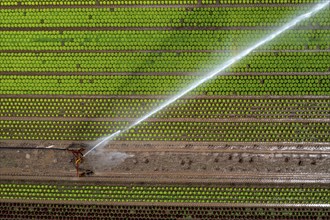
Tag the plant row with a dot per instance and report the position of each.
(168, 131)
(146, 2)
(149, 2)
(161, 40)
(164, 85)
(159, 17)
(163, 62)
(267, 1)
(45, 2)
(101, 2)
(187, 108)
(168, 194)
(117, 211)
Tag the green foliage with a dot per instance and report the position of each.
(181, 40)
(157, 51)
(167, 131)
(127, 62)
(210, 108)
(165, 194)
(164, 85)
(143, 2)
(158, 17)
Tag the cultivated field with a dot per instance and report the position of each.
(251, 143)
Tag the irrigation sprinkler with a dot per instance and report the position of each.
(77, 158)
(75, 149)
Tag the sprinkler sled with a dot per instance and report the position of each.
(78, 158)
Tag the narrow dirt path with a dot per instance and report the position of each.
(177, 178)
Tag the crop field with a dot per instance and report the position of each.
(164, 194)
(253, 142)
(102, 211)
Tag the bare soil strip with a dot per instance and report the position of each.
(181, 178)
(151, 150)
(242, 151)
(187, 145)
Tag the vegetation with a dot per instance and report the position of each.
(164, 194)
(161, 17)
(85, 211)
(211, 108)
(85, 69)
(164, 85)
(145, 2)
(156, 51)
(163, 40)
(168, 131)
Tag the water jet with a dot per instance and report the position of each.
(217, 71)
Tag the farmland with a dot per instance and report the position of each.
(102, 211)
(164, 194)
(251, 143)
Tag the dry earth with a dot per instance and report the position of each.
(155, 157)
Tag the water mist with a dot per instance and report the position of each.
(217, 71)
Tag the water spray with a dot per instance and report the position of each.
(104, 141)
(215, 72)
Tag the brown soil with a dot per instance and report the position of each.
(158, 158)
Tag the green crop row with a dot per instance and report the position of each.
(102, 2)
(45, 2)
(146, 2)
(168, 131)
(187, 108)
(160, 40)
(209, 2)
(165, 194)
(162, 62)
(164, 85)
(158, 17)
(267, 1)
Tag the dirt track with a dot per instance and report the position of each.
(287, 180)
(179, 161)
